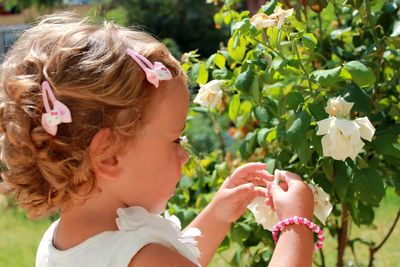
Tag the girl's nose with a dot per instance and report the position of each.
(184, 156)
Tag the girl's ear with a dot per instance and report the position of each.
(104, 160)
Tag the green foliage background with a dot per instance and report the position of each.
(277, 83)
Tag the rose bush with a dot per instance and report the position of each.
(301, 89)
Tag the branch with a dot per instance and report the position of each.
(375, 249)
(218, 131)
(342, 235)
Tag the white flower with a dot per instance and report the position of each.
(262, 20)
(263, 213)
(342, 137)
(322, 205)
(339, 107)
(277, 19)
(267, 217)
(210, 94)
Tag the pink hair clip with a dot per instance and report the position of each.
(154, 73)
(53, 117)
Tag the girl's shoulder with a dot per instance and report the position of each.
(137, 228)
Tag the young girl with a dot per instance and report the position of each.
(91, 119)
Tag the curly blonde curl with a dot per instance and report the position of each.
(88, 69)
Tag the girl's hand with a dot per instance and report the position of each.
(238, 190)
(292, 197)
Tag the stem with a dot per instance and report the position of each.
(342, 235)
(269, 47)
(375, 249)
(302, 67)
(320, 27)
(321, 253)
(218, 131)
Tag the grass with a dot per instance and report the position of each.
(19, 238)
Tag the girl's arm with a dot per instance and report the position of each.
(228, 205)
(294, 248)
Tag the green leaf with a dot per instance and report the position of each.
(202, 77)
(244, 81)
(368, 185)
(360, 98)
(237, 47)
(354, 212)
(262, 114)
(234, 107)
(360, 73)
(294, 99)
(271, 164)
(269, 8)
(316, 142)
(309, 41)
(249, 145)
(220, 61)
(328, 168)
(297, 132)
(221, 74)
(262, 137)
(304, 152)
(386, 141)
(194, 72)
(326, 78)
(341, 178)
(244, 113)
(240, 232)
(242, 25)
(366, 213)
(318, 111)
(255, 89)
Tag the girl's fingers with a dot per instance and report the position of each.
(289, 177)
(264, 174)
(247, 168)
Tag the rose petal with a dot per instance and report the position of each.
(324, 125)
(367, 130)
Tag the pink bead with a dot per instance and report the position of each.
(299, 220)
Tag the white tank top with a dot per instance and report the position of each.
(137, 228)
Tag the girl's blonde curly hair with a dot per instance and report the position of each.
(88, 69)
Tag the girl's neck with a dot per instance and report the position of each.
(84, 220)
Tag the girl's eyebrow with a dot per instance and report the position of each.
(181, 130)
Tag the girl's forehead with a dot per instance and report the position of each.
(170, 107)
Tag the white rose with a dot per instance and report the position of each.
(339, 107)
(263, 213)
(210, 94)
(262, 20)
(277, 19)
(281, 15)
(322, 205)
(343, 137)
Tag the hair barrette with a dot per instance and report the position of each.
(53, 117)
(154, 72)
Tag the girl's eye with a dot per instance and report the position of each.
(181, 140)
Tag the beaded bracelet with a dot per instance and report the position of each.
(299, 220)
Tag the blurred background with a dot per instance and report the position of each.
(184, 26)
